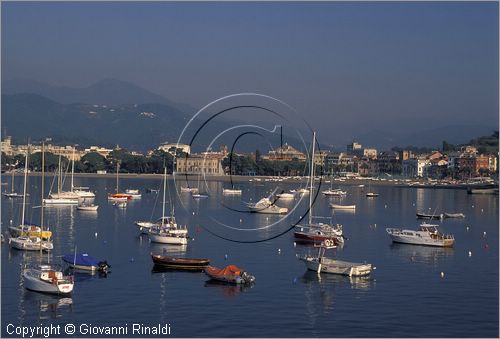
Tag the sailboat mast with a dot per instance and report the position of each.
(164, 193)
(12, 190)
(312, 177)
(117, 169)
(72, 168)
(24, 189)
(43, 184)
(59, 177)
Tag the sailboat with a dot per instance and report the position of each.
(12, 194)
(47, 279)
(118, 196)
(25, 240)
(167, 231)
(317, 232)
(61, 197)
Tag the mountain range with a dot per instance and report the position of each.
(112, 112)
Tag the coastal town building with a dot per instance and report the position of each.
(101, 150)
(170, 148)
(208, 164)
(285, 153)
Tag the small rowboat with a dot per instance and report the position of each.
(231, 274)
(180, 263)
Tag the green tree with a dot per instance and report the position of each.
(93, 162)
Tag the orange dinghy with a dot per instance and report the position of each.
(230, 274)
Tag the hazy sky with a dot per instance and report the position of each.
(346, 66)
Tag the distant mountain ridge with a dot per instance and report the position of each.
(103, 92)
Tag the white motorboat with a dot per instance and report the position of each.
(120, 204)
(300, 191)
(47, 279)
(335, 192)
(144, 226)
(87, 207)
(372, 194)
(322, 264)
(231, 191)
(343, 207)
(428, 235)
(454, 215)
(194, 190)
(134, 193)
(265, 205)
(285, 196)
(27, 243)
(199, 196)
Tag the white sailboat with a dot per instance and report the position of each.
(118, 196)
(12, 194)
(61, 197)
(26, 241)
(168, 232)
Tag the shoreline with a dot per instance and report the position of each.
(403, 183)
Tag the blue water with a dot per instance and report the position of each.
(404, 297)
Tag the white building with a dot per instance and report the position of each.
(415, 167)
(167, 147)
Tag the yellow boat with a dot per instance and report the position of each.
(30, 231)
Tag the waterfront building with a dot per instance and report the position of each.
(285, 153)
(170, 148)
(416, 167)
(101, 150)
(207, 163)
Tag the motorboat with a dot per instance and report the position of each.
(47, 279)
(285, 196)
(231, 191)
(91, 207)
(199, 196)
(189, 189)
(134, 193)
(318, 232)
(428, 235)
(335, 192)
(30, 243)
(343, 207)
(429, 216)
(144, 226)
(30, 231)
(60, 201)
(178, 263)
(300, 191)
(84, 262)
(120, 204)
(231, 274)
(372, 194)
(265, 205)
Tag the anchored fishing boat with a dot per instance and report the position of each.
(231, 274)
(180, 263)
(428, 235)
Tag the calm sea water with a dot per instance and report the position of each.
(404, 297)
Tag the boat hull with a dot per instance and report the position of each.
(180, 263)
(167, 239)
(32, 282)
(23, 245)
(331, 266)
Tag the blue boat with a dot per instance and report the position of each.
(83, 261)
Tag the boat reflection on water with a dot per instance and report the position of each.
(423, 254)
(336, 280)
(228, 290)
(164, 249)
(47, 306)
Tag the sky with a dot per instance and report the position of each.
(348, 67)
